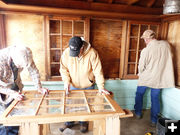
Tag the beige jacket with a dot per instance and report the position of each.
(156, 66)
(82, 72)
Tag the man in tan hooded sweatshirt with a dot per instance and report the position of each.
(155, 72)
(80, 68)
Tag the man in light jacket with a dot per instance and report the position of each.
(80, 68)
(155, 72)
(13, 60)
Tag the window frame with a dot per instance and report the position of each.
(126, 44)
(86, 21)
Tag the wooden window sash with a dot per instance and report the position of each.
(61, 34)
(125, 74)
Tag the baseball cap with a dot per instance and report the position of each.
(75, 44)
(148, 34)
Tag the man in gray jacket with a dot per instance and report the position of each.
(155, 72)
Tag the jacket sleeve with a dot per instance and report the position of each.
(142, 61)
(64, 71)
(34, 73)
(97, 71)
(4, 85)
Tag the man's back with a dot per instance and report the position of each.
(158, 70)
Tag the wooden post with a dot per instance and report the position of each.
(29, 128)
(113, 125)
(99, 127)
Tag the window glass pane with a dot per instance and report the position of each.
(54, 26)
(28, 102)
(67, 27)
(55, 55)
(134, 30)
(101, 108)
(75, 109)
(133, 43)
(91, 93)
(75, 101)
(132, 56)
(50, 110)
(55, 69)
(131, 68)
(65, 41)
(154, 28)
(141, 44)
(52, 102)
(97, 100)
(23, 111)
(54, 41)
(78, 27)
(75, 94)
(55, 94)
(143, 28)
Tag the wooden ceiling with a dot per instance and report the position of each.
(153, 7)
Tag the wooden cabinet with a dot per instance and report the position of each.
(60, 30)
(134, 45)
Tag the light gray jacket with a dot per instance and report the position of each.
(156, 66)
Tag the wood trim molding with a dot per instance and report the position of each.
(2, 32)
(93, 6)
(150, 3)
(72, 12)
(132, 2)
(170, 17)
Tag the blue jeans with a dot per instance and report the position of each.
(11, 130)
(73, 88)
(155, 104)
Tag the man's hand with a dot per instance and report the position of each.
(104, 91)
(16, 95)
(43, 90)
(67, 88)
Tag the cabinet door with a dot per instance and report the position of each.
(60, 30)
(134, 46)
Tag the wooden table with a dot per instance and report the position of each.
(79, 105)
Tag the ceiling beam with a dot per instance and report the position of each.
(92, 6)
(110, 1)
(24, 9)
(150, 3)
(90, 0)
(130, 2)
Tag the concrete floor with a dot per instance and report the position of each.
(129, 126)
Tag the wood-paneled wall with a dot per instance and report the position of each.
(27, 30)
(174, 39)
(105, 37)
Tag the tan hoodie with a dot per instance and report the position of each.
(83, 71)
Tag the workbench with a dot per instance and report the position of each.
(80, 105)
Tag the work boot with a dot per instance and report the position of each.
(84, 127)
(153, 124)
(66, 126)
(138, 116)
